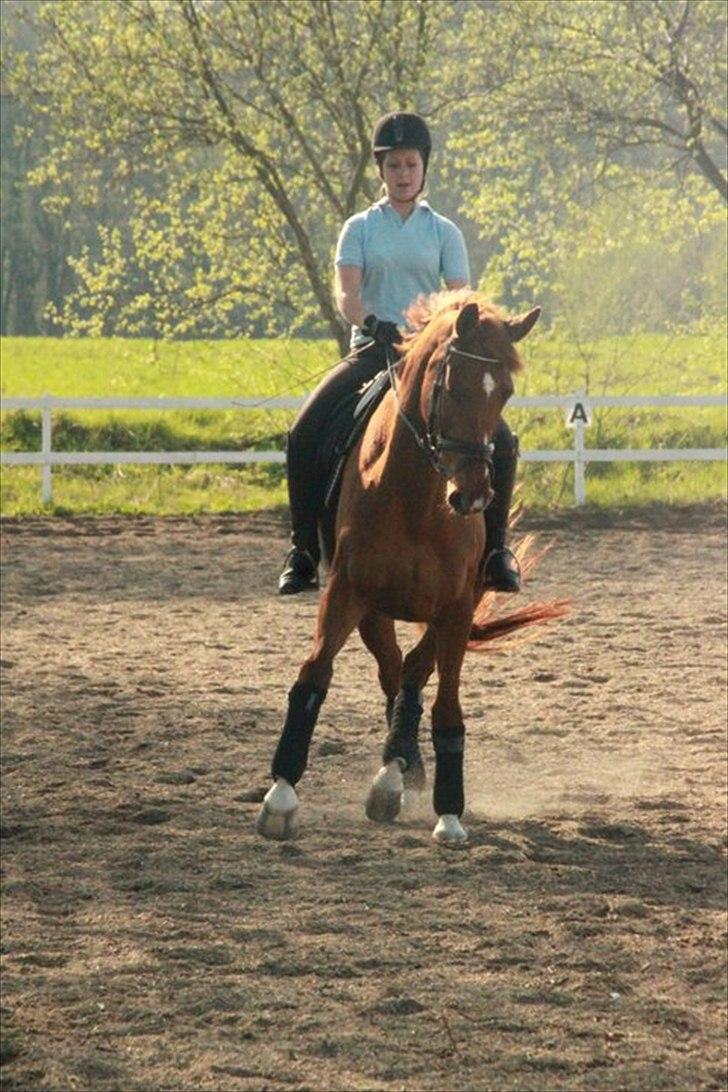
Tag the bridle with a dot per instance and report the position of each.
(433, 443)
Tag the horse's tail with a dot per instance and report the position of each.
(488, 627)
(482, 633)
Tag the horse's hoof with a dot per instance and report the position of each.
(414, 776)
(384, 801)
(278, 817)
(450, 832)
(383, 807)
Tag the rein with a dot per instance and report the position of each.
(433, 443)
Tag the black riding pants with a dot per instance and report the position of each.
(305, 487)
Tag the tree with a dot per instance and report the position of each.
(34, 244)
(609, 78)
(219, 144)
(257, 115)
(559, 103)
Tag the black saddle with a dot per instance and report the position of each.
(343, 429)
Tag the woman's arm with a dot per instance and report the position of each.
(454, 264)
(347, 288)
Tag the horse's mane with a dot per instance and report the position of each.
(432, 320)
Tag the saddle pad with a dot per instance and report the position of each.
(344, 429)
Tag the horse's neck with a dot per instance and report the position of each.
(406, 469)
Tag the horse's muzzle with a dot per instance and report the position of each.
(465, 504)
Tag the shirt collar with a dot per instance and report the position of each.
(383, 203)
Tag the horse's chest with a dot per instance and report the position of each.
(407, 584)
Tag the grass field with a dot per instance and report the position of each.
(643, 364)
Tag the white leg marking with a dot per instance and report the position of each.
(390, 777)
(281, 797)
(277, 819)
(449, 831)
(385, 796)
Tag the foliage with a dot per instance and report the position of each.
(196, 159)
(258, 117)
(580, 126)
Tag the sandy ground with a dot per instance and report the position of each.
(152, 941)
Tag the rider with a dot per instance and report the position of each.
(386, 256)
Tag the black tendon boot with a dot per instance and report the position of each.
(291, 757)
(501, 570)
(403, 718)
(449, 795)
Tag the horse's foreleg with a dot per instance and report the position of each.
(448, 730)
(402, 761)
(339, 612)
(278, 817)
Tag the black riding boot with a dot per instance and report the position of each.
(300, 573)
(300, 570)
(501, 570)
(305, 487)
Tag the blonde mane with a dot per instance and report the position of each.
(432, 320)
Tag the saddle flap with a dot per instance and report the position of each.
(345, 427)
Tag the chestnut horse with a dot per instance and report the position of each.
(407, 544)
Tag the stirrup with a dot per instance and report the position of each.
(299, 574)
(501, 571)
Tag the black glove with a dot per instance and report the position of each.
(384, 333)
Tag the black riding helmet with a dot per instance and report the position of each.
(401, 130)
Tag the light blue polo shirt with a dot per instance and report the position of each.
(400, 259)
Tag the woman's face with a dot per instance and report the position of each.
(402, 173)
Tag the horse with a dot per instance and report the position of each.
(406, 544)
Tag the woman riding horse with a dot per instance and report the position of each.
(387, 256)
(407, 545)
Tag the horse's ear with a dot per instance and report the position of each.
(519, 326)
(467, 320)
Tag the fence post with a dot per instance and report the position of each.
(46, 426)
(579, 463)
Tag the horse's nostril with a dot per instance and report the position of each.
(455, 500)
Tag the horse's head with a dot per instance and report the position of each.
(470, 382)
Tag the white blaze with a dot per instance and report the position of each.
(488, 383)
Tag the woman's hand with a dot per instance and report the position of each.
(384, 333)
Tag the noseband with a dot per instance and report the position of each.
(433, 443)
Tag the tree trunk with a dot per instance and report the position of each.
(709, 169)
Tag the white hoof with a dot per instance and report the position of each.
(278, 817)
(384, 801)
(450, 832)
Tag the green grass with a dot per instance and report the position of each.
(643, 364)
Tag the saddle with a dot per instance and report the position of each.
(343, 429)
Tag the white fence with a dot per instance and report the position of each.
(578, 454)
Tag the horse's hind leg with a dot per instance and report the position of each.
(448, 731)
(402, 761)
(377, 633)
(418, 665)
(339, 612)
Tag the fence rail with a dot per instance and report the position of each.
(578, 454)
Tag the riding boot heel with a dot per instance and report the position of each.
(300, 573)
